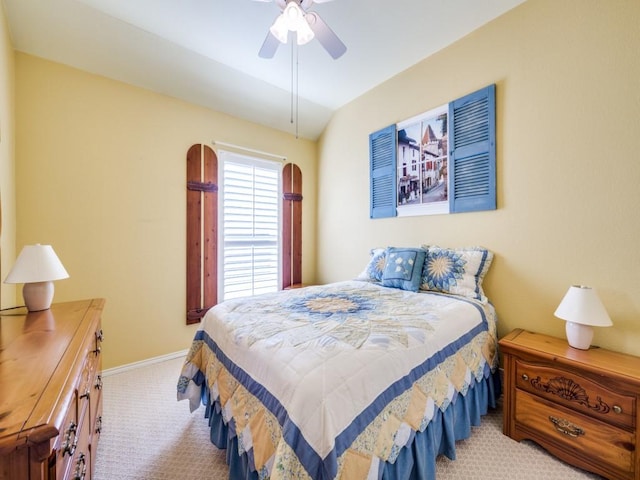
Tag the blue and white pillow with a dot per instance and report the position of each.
(457, 271)
(373, 271)
(403, 268)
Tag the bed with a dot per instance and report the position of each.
(350, 380)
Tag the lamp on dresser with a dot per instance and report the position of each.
(582, 309)
(37, 266)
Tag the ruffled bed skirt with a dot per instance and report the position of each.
(415, 462)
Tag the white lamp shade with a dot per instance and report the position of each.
(582, 305)
(36, 263)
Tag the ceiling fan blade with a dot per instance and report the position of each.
(327, 38)
(269, 47)
(305, 4)
(281, 3)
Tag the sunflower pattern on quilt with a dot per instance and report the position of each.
(388, 427)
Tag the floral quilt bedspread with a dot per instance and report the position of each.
(332, 381)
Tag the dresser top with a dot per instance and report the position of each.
(598, 360)
(39, 352)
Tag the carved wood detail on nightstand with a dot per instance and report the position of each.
(571, 391)
(583, 406)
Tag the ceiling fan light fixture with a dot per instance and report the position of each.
(292, 19)
(293, 15)
(304, 33)
(280, 30)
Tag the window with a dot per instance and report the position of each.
(440, 162)
(244, 232)
(249, 237)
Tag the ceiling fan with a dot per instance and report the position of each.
(306, 25)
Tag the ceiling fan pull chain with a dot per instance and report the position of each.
(297, 94)
(291, 108)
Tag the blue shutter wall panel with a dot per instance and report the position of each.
(472, 151)
(382, 159)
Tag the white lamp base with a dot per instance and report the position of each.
(579, 335)
(37, 295)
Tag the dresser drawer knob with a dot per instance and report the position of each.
(99, 340)
(69, 446)
(566, 427)
(617, 409)
(525, 377)
(81, 468)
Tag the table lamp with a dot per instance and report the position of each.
(37, 266)
(582, 309)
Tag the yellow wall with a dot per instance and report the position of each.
(7, 162)
(101, 176)
(568, 136)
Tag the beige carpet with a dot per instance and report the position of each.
(149, 435)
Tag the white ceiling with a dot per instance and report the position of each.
(206, 51)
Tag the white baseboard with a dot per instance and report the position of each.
(143, 363)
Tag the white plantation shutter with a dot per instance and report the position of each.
(250, 256)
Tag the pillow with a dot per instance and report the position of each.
(458, 271)
(373, 271)
(403, 268)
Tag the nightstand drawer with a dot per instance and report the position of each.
(576, 392)
(585, 437)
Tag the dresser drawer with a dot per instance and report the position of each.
(85, 386)
(67, 441)
(81, 462)
(577, 392)
(609, 447)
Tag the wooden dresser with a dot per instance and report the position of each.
(50, 392)
(580, 405)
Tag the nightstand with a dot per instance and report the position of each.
(580, 405)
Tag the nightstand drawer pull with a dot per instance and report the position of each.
(566, 427)
(617, 409)
(525, 377)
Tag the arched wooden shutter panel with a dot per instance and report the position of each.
(291, 225)
(202, 227)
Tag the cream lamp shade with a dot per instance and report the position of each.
(37, 266)
(582, 309)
